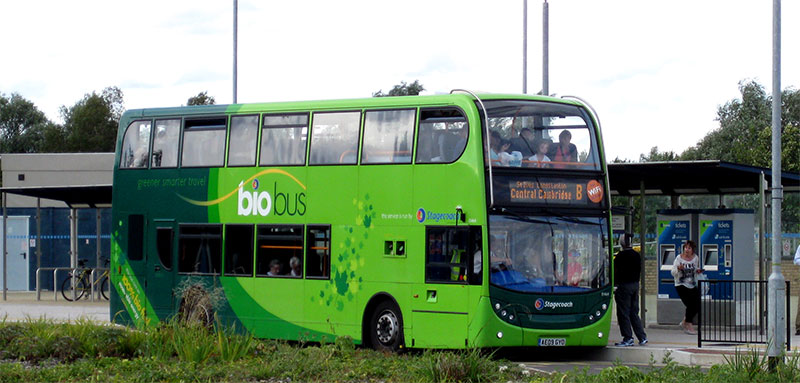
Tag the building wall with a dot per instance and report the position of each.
(58, 169)
(54, 169)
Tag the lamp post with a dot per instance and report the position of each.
(235, 43)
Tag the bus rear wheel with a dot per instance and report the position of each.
(386, 327)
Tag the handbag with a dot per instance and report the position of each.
(703, 286)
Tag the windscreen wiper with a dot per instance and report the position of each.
(523, 218)
(572, 219)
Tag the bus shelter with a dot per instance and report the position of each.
(708, 177)
(75, 197)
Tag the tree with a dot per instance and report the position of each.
(404, 89)
(656, 156)
(20, 124)
(91, 124)
(745, 130)
(202, 98)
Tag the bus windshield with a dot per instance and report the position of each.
(543, 135)
(548, 254)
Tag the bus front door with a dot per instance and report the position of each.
(160, 268)
(440, 305)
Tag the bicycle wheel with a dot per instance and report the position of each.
(67, 287)
(104, 288)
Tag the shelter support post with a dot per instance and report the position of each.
(5, 247)
(73, 238)
(642, 247)
(39, 247)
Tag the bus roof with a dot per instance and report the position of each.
(355, 103)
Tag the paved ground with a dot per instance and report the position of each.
(23, 305)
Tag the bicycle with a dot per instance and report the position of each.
(81, 285)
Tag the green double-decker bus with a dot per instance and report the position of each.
(445, 221)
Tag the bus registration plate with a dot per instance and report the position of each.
(552, 342)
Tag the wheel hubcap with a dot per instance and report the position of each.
(387, 327)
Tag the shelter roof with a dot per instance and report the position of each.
(692, 177)
(78, 196)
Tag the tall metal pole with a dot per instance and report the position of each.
(545, 48)
(525, 46)
(5, 247)
(642, 250)
(235, 43)
(776, 330)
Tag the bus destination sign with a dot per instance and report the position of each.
(548, 191)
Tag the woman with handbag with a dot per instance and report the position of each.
(685, 270)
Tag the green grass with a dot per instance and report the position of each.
(45, 351)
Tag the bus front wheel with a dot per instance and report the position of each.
(386, 327)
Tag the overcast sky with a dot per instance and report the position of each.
(656, 72)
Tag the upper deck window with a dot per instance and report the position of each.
(203, 142)
(283, 139)
(244, 134)
(165, 143)
(541, 135)
(135, 145)
(334, 138)
(443, 134)
(387, 136)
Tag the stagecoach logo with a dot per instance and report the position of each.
(543, 304)
(421, 215)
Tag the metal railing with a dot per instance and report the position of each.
(735, 312)
(77, 273)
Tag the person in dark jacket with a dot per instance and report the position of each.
(627, 268)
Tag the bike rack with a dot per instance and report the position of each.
(74, 271)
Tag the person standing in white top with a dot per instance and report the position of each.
(685, 270)
(797, 318)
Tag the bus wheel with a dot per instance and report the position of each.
(196, 307)
(386, 327)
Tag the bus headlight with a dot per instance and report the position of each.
(499, 335)
(604, 306)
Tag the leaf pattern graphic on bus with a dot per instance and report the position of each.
(344, 285)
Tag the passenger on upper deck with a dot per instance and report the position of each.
(539, 159)
(524, 143)
(499, 146)
(564, 151)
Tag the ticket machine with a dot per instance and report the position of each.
(726, 248)
(674, 228)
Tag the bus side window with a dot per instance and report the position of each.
(165, 143)
(387, 136)
(242, 147)
(200, 249)
(164, 237)
(318, 252)
(283, 139)
(239, 250)
(135, 146)
(280, 247)
(334, 138)
(443, 135)
(204, 142)
(135, 237)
